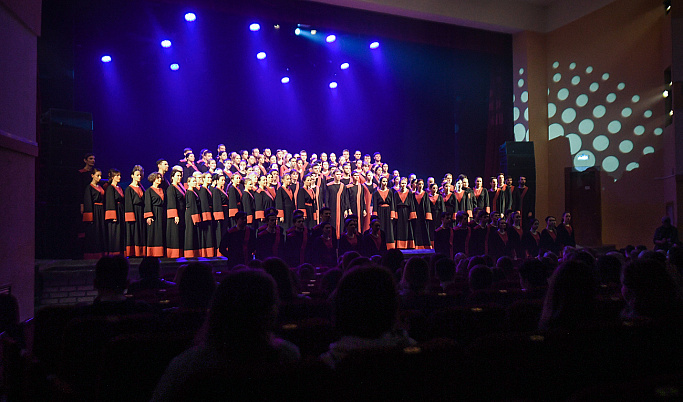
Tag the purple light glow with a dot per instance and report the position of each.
(331, 38)
(166, 43)
(333, 85)
(374, 45)
(175, 66)
(285, 80)
(344, 66)
(106, 58)
(261, 55)
(254, 27)
(190, 17)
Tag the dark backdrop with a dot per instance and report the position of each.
(426, 98)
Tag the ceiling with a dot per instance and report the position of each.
(510, 16)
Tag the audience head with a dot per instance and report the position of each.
(347, 258)
(416, 274)
(609, 269)
(649, 290)
(365, 303)
(445, 270)
(570, 301)
(480, 278)
(532, 274)
(279, 271)
(111, 274)
(149, 268)
(196, 285)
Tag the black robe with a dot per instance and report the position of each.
(155, 208)
(270, 244)
(193, 217)
(336, 199)
(285, 204)
(383, 206)
(372, 245)
(238, 245)
(175, 233)
(136, 225)
(423, 211)
(93, 217)
(207, 228)
(115, 221)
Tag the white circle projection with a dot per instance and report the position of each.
(611, 97)
(557, 77)
(614, 126)
(648, 150)
(594, 87)
(575, 80)
(515, 113)
(631, 166)
(647, 114)
(582, 100)
(658, 131)
(574, 143)
(552, 109)
(525, 97)
(563, 94)
(639, 130)
(589, 70)
(586, 126)
(599, 111)
(555, 131)
(627, 112)
(600, 143)
(568, 115)
(572, 66)
(610, 164)
(520, 132)
(626, 146)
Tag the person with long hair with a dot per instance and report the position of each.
(155, 216)
(234, 198)
(114, 214)
(384, 207)
(405, 212)
(220, 206)
(193, 217)
(436, 207)
(237, 338)
(134, 210)
(423, 237)
(306, 202)
(175, 214)
(93, 216)
(285, 202)
(480, 196)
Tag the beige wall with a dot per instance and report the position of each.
(626, 40)
(18, 148)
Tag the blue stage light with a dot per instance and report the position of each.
(190, 17)
(344, 66)
(106, 58)
(254, 27)
(333, 85)
(331, 38)
(261, 55)
(165, 43)
(374, 45)
(285, 80)
(297, 31)
(175, 66)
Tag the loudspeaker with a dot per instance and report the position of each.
(518, 159)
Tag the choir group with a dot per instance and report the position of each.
(242, 205)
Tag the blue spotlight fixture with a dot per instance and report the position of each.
(285, 80)
(333, 85)
(254, 27)
(261, 55)
(313, 31)
(297, 31)
(190, 17)
(106, 58)
(175, 66)
(344, 66)
(374, 45)
(165, 43)
(330, 38)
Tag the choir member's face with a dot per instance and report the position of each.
(323, 156)
(494, 183)
(353, 226)
(465, 182)
(286, 180)
(369, 177)
(478, 182)
(299, 223)
(163, 166)
(434, 188)
(518, 220)
(255, 152)
(228, 163)
(397, 181)
(522, 181)
(252, 160)
(316, 169)
(190, 157)
(262, 181)
(447, 220)
(206, 178)
(567, 218)
(378, 157)
(485, 219)
(458, 185)
(245, 155)
(345, 154)
(501, 180)
(116, 179)
(367, 159)
(221, 181)
(223, 156)
(243, 165)
(267, 152)
(208, 156)
(272, 221)
(449, 178)
(337, 175)
(495, 217)
(535, 225)
(307, 182)
(420, 185)
(333, 157)
(359, 164)
(357, 155)
(303, 155)
(177, 176)
(502, 225)
(295, 177)
(221, 149)
(396, 173)
(90, 160)
(136, 176)
(326, 215)
(508, 181)
(191, 182)
(551, 222)
(404, 184)
(385, 168)
(326, 166)
(384, 182)
(236, 180)
(356, 178)
(212, 164)
(347, 169)
(375, 226)
(273, 159)
(237, 159)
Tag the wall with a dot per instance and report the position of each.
(18, 148)
(605, 76)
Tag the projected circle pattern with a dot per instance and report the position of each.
(605, 126)
(521, 110)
